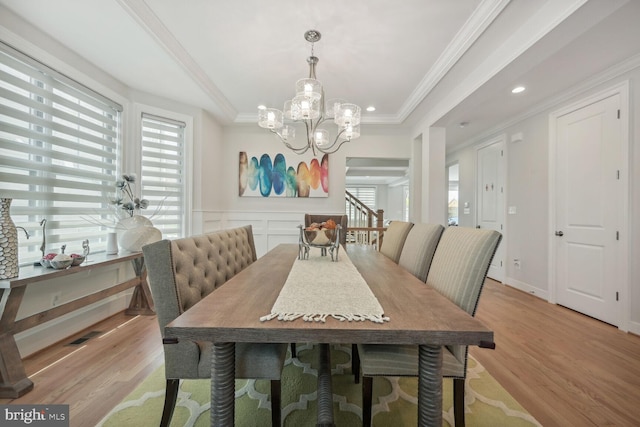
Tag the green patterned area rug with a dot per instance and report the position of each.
(487, 403)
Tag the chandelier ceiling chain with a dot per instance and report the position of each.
(309, 107)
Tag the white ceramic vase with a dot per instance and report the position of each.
(112, 243)
(135, 232)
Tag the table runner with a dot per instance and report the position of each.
(317, 288)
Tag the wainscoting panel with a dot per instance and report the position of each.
(269, 228)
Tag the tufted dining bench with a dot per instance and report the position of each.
(181, 272)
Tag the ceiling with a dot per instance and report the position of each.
(378, 171)
(419, 62)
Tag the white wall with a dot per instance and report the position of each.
(395, 203)
(527, 232)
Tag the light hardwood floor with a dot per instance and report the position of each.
(565, 368)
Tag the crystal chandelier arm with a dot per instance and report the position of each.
(310, 129)
(297, 150)
(330, 149)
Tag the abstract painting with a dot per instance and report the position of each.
(269, 175)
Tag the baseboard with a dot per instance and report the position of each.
(56, 330)
(525, 287)
(634, 328)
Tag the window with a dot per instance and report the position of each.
(162, 180)
(366, 195)
(359, 217)
(59, 149)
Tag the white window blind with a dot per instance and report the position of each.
(163, 173)
(366, 195)
(59, 145)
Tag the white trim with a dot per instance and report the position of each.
(149, 21)
(634, 327)
(621, 89)
(483, 16)
(525, 287)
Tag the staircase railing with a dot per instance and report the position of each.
(365, 224)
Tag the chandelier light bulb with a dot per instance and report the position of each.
(270, 118)
(321, 137)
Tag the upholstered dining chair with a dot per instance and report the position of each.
(393, 239)
(458, 271)
(419, 248)
(182, 272)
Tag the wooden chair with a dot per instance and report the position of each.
(182, 272)
(458, 271)
(393, 239)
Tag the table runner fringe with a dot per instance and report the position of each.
(323, 317)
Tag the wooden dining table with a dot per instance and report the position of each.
(417, 313)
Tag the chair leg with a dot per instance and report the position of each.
(367, 397)
(355, 363)
(458, 401)
(275, 403)
(170, 397)
(293, 350)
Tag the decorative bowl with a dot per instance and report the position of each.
(323, 237)
(77, 259)
(61, 264)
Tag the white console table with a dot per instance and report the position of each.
(13, 379)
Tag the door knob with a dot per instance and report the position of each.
(559, 233)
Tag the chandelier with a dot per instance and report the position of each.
(309, 107)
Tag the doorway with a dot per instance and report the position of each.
(588, 254)
(491, 205)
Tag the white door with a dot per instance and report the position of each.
(588, 161)
(491, 199)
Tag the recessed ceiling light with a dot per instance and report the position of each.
(518, 89)
(371, 108)
(262, 107)
(463, 124)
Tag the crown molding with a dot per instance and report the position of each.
(548, 18)
(479, 21)
(149, 21)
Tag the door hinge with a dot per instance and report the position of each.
(618, 174)
(500, 227)
(618, 113)
(500, 263)
(617, 296)
(617, 235)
